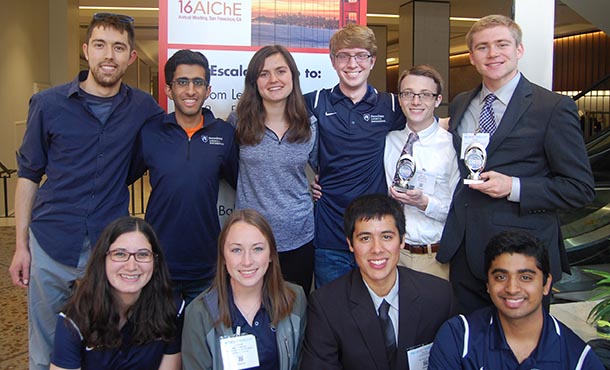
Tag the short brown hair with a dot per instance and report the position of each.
(491, 21)
(116, 21)
(353, 36)
(426, 71)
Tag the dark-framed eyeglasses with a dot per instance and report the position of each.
(121, 255)
(184, 82)
(120, 17)
(423, 96)
(360, 57)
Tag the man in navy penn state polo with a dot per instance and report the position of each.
(516, 332)
(353, 120)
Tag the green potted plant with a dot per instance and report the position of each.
(600, 313)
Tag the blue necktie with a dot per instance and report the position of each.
(388, 329)
(487, 122)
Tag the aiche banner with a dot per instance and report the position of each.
(229, 32)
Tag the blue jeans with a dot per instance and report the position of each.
(190, 289)
(331, 264)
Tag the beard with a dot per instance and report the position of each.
(105, 79)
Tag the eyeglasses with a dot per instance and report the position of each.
(121, 255)
(120, 17)
(423, 96)
(360, 57)
(184, 82)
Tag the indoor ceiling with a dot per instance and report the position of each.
(146, 15)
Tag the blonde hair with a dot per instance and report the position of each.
(491, 21)
(353, 36)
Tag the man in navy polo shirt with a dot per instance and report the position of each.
(80, 135)
(516, 332)
(353, 120)
(187, 153)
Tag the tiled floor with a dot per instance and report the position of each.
(13, 317)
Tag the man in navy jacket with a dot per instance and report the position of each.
(187, 153)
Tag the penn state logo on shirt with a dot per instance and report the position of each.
(213, 140)
(374, 118)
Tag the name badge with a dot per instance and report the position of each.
(467, 139)
(239, 351)
(418, 357)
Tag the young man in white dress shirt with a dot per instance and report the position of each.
(436, 169)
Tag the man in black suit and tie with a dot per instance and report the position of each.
(378, 316)
(536, 161)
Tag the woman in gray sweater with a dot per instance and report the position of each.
(276, 143)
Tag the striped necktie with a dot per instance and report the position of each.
(487, 121)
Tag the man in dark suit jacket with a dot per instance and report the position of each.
(344, 330)
(536, 162)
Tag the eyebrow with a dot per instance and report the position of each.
(106, 42)
(521, 271)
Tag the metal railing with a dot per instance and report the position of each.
(593, 107)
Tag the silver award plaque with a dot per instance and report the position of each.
(475, 158)
(405, 170)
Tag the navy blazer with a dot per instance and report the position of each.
(538, 140)
(343, 330)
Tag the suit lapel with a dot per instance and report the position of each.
(457, 116)
(409, 314)
(365, 317)
(519, 103)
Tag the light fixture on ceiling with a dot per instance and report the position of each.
(464, 19)
(382, 15)
(375, 15)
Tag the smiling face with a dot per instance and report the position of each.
(247, 256)
(376, 247)
(353, 75)
(274, 82)
(128, 278)
(109, 55)
(419, 111)
(515, 285)
(189, 99)
(495, 55)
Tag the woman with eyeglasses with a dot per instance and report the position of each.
(122, 314)
(276, 143)
(250, 317)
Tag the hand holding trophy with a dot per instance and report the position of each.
(475, 158)
(405, 170)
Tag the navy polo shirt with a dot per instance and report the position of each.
(70, 352)
(263, 330)
(85, 160)
(351, 146)
(477, 342)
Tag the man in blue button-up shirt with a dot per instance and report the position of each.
(80, 135)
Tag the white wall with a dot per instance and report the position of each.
(25, 60)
